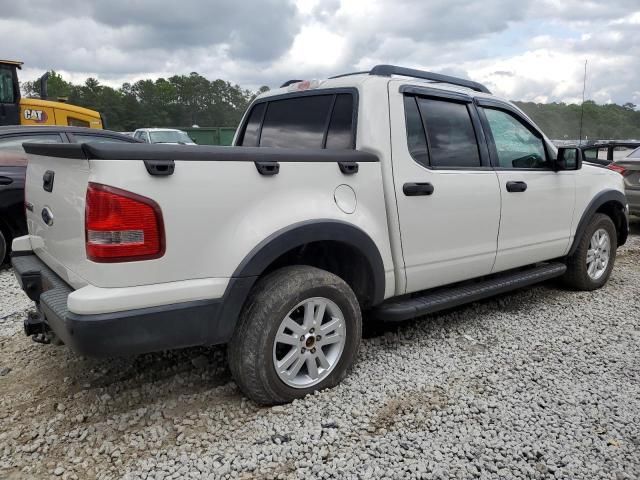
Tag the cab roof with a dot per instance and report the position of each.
(409, 75)
(12, 62)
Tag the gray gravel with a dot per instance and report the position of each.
(542, 383)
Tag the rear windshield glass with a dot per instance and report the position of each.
(311, 121)
(635, 153)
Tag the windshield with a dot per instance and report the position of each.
(170, 136)
(635, 153)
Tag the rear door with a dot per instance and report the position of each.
(537, 202)
(447, 193)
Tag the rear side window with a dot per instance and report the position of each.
(635, 153)
(440, 133)
(340, 135)
(310, 121)
(252, 130)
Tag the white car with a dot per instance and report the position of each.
(393, 193)
(163, 135)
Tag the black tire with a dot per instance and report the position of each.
(577, 276)
(3, 248)
(251, 349)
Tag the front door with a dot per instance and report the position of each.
(447, 195)
(537, 203)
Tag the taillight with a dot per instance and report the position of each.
(617, 168)
(121, 226)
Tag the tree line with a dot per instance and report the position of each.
(186, 100)
(180, 100)
(599, 122)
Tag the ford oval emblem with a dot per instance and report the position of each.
(47, 216)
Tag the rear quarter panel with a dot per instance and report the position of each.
(216, 212)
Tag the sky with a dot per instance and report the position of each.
(527, 50)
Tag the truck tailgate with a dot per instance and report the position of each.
(55, 191)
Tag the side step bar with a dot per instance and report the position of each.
(430, 302)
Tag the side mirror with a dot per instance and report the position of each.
(569, 158)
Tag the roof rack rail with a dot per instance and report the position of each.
(289, 82)
(388, 70)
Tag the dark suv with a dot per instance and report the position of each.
(13, 166)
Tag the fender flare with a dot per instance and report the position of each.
(284, 240)
(309, 231)
(600, 199)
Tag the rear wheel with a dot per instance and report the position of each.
(299, 332)
(591, 264)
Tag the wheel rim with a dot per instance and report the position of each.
(598, 254)
(309, 342)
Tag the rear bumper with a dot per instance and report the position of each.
(185, 324)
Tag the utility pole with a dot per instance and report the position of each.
(584, 85)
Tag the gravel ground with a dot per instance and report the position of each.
(542, 383)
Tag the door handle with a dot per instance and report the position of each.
(516, 186)
(268, 168)
(348, 168)
(6, 181)
(47, 181)
(417, 189)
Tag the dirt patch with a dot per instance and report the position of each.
(412, 404)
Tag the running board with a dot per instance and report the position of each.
(430, 302)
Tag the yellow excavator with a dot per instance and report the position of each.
(15, 110)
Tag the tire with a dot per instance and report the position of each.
(578, 275)
(285, 294)
(3, 248)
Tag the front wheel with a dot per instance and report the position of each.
(591, 264)
(299, 332)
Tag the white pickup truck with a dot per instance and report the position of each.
(391, 193)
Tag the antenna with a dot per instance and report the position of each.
(584, 85)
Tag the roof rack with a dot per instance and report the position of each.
(388, 70)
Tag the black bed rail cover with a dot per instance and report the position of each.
(136, 151)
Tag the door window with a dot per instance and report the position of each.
(440, 133)
(516, 146)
